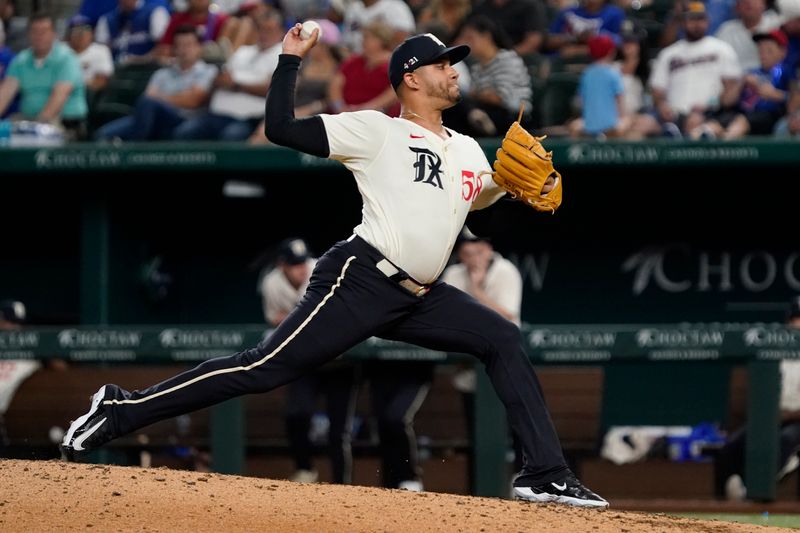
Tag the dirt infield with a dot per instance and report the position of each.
(58, 496)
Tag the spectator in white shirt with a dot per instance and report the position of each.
(237, 104)
(752, 18)
(697, 75)
(95, 59)
(394, 13)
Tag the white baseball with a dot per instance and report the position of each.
(308, 28)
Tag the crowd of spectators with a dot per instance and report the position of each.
(199, 69)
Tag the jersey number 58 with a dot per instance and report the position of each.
(470, 185)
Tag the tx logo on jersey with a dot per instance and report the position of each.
(428, 167)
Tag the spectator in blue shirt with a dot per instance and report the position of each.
(133, 29)
(762, 101)
(573, 26)
(173, 94)
(6, 55)
(94, 9)
(601, 92)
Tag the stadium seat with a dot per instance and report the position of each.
(555, 105)
(120, 95)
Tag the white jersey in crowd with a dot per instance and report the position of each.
(394, 13)
(691, 73)
(416, 187)
(278, 296)
(503, 283)
(96, 59)
(247, 66)
(740, 38)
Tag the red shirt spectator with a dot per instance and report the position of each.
(363, 79)
(207, 24)
(363, 83)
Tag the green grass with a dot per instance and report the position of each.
(777, 520)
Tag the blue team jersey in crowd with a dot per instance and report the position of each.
(751, 101)
(577, 20)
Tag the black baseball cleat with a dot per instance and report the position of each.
(92, 429)
(568, 490)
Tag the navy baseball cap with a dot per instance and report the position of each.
(79, 21)
(419, 51)
(293, 251)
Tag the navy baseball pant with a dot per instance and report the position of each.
(397, 390)
(338, 383)
(349, 300)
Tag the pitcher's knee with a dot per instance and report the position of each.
(505, 336)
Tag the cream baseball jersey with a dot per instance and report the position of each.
(417, 188)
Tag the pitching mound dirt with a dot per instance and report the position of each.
(58, 496)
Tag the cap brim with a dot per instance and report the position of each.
(766, 36)
(453, 53)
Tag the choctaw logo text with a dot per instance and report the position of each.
(179, 338)
(19, 339)
(763, 337)
(677, 269)
(73, 338)
(672, 337)
(547, 338)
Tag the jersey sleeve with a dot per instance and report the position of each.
(490, 191)
(356, 136)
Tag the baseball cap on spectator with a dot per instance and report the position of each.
(600, 46)
(419, 51)
(776, 35)
(12, 311)
(79, 21)
(694, 9)
(293, 251)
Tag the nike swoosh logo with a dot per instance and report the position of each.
(560, 487)
(78, 443)
(417, 136)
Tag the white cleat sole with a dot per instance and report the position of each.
(96, 399)
(525, 493)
